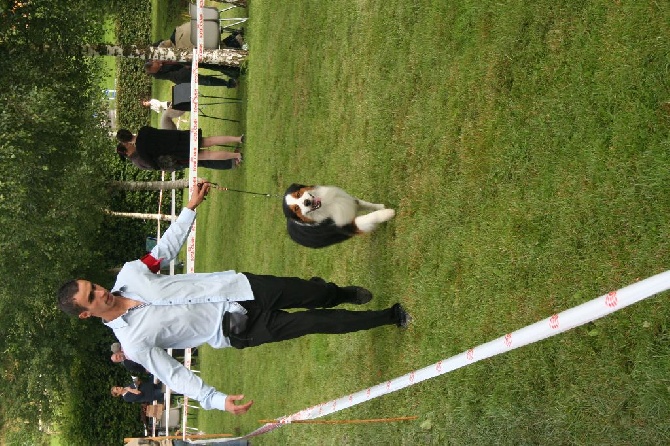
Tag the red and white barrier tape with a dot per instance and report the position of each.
(193, 173)
(193, 158)
(551, 326)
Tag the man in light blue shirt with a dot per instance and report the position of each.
(150, 313)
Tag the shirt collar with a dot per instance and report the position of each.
(119, 322)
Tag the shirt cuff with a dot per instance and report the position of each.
(216, 401)
(186, 213)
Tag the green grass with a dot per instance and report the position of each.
(55, 440)
(525, 148)
(108, 75)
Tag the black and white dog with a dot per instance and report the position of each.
(320, 216)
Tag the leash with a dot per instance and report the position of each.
(227, 189)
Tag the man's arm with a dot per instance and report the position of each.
(182, 380)
(175, 236)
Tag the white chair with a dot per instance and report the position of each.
(210, 13)
(172, 420)
(211, 38)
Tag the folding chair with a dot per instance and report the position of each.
(211, 13)
(211, 34)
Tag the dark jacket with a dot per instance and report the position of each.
(133, 367)
(150, 392)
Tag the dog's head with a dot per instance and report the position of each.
(305, 222)
(299, 202)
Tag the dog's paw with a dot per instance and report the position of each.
(370, 206)
(386, 214)
(368, 222)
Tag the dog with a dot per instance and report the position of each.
(320, 216)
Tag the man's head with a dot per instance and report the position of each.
(118, 357)
(84, 299)
(115, 347)
(66, 298)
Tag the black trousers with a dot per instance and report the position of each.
(269, 323)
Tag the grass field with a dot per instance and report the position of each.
(109, 63)
(525, 147)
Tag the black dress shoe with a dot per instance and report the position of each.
(362, 296)
(403, 318)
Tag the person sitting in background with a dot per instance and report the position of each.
(119, 357)
(168, 114)
(139, 392)
(156, 105)
(169, 150)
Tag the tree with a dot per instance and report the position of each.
(140, 215)
(53, 188)
(225, 56)
(149, 185)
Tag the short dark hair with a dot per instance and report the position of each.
(66, 298)
(124, 135)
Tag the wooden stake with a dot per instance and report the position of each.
(369, 420)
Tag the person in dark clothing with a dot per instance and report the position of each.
(179, 73)
(161, 149)
(119, 357)
(134, 158)
(139, 392)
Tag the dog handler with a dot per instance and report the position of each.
(149, 312)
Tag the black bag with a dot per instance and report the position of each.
(234, 323)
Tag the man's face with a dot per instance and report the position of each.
(154, 67)
(117, 391)
(95, 299)
(118, 357)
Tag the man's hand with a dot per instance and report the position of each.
(199, 194)
(234, 408)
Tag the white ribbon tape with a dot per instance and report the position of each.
(193, 158)
(551, 326)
